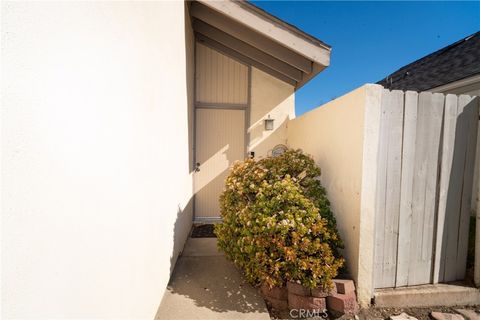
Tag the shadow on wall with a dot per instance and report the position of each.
(214, 167)
(181, 230)
(453, 251)
(272, 98)
(222, 148)
(184, 218)
(262, 141)
(213, 282)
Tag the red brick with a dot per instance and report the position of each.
(277, 304)
(344, 286)
(323, 293)
(298, 289)
(279, 293)
(306, 303)
(343, 303)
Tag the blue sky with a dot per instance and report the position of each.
(372, 39)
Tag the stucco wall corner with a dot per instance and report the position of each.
(373, 94)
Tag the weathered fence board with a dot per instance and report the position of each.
(389, 181)
(426, 159)
(469, 119)
(406, 190)
(443, 221)
(380, 199)
(430, 111)
(454, 195)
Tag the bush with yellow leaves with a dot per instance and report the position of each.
(277, 223)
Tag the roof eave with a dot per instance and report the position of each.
(248, 23)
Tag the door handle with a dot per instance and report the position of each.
(197, 167)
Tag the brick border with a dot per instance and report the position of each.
(341, 298)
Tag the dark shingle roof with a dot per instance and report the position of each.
(454, 62)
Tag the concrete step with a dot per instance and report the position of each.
(427, 296)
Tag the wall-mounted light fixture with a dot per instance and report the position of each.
(269, 123)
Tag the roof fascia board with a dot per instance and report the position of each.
(250, 37)
(286, 25)
(317, 68)
(271, 28)
(457, 84)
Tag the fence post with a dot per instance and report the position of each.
(476, 267)
(371, 137)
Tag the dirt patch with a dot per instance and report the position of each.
(378, 313)
(419, 313)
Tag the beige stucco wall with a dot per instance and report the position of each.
(274, 98)
(95, 157)
(342, 136)
(333, 135)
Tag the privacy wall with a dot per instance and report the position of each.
(96, 183)
(425, 174)
(333, 135)
(398, 168)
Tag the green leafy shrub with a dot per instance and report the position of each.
(277, 222)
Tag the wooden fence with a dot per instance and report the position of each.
(424, 187)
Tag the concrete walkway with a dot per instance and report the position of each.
(204, 285)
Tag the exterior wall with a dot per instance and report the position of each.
(274, 98)
(333, 135)
(183, 223)
(95, 180)
(190, 78)
(224, 83)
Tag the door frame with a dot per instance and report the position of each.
(225, 106)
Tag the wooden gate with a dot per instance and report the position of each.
(424, 187)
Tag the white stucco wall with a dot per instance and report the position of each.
(274, 98)
(95, 157)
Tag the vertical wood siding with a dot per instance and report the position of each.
(219, 78)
